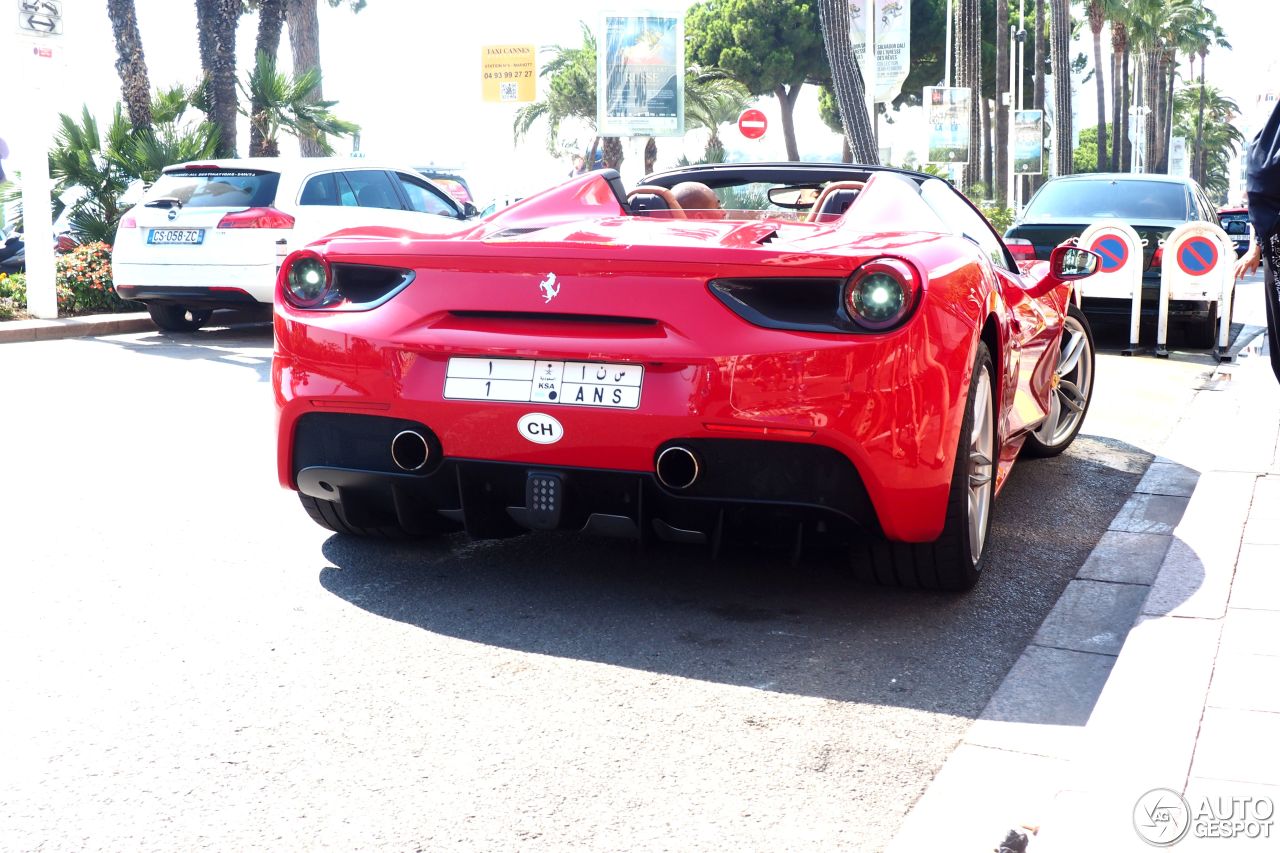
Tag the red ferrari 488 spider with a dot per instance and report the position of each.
(826, 351)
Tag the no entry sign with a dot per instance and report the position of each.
(753, 124)
(1197, 256)
(1113, 251)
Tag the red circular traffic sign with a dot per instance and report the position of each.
(1197, 256)
(753, 124)
(1113, 250)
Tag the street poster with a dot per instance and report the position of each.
(640, 75)
(947, 112)
(893, 43)
(1028, 142)
(508, 74)
(1179, 163)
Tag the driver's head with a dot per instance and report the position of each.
(693, 195)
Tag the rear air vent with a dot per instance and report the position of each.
(511, 232)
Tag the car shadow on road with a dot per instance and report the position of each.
(213, 343)
(748, 619)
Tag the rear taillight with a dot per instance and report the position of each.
(307, 281)
(129, 220)
(257, 217)
(1022, 250)
(881, 294)
(1158, 257)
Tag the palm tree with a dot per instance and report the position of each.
(571, 94)
(847, 82)
(304, 43)
(1117, 12)
(711, 100)
(271, 14)
(1218, 135)
(216, 21)
(968, 29)
(1060, 61)
(288, 105)
(131, 63)
(1097, 16)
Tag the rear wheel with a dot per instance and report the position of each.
(177, 318)
(1072, 389)
(954, 560)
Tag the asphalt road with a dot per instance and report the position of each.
(190, 663)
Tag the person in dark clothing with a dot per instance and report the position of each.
(1263, 185)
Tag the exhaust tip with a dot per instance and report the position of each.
(678, 468)
(409, 450)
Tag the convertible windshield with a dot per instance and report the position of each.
(1126, 200)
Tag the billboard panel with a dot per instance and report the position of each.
(640, 75)
(1028, 142)
(947, 112)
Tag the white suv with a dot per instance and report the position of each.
(210, 235)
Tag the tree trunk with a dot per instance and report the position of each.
(1095, 25)
(1200, 159)
(846, 153)
(612, 152)
(135, 86)
(1060, 58)
(1000, 185)
(270, 23)
(786, 104)
(1166, 129)
(968, 28)
(304, 41)
(1119, 43)
(1152, 86)
(1126, 96)
(650, 155)
(987, 153)
(216, 21)
(847, 83)
(1037, 80)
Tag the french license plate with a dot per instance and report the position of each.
(176, 236)
(566, 383)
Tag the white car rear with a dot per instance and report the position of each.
(210, 235)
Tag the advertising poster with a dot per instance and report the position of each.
(1028, 142)
(947, 112)
(893, 43)
(640, 76)
(508, 74)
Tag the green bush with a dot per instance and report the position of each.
(84, 282)
(13, 295)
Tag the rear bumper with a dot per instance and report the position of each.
(1121, 309)
(218, 285)
(346, 458)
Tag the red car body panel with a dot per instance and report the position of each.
(891, 402)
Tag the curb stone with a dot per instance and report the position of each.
(13, 331)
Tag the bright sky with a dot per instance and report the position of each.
(409, 72)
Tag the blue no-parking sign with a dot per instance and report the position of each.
(1197, 256)
(1113, 251)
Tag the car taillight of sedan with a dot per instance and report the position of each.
(1022, 250)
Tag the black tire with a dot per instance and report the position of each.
(329, 515)
(1203, 334)
(949, 562)
(1042, 446)
(177, 318)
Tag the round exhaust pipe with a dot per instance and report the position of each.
(678, 468)
(409, 450)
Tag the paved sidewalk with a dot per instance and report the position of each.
(1159, 667)
(74, 327)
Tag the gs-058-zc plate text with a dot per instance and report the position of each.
(566, 383)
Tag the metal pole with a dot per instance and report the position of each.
(1013, 115)
(950, 23)
(1021, 80)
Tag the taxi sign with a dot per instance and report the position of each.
(508, 74)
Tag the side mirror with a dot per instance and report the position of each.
(1068, 263)
(469, 210)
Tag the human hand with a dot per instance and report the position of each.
(1248, 263)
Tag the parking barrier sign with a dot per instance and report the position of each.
(1197, 265)
(1119, 274)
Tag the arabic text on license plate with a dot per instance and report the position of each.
(569, 383)
(169, 236)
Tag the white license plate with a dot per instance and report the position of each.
(567, 383)
(176, 236)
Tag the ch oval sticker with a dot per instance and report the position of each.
(540, 428)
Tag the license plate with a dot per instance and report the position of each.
(566, 383)
(176, 236)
